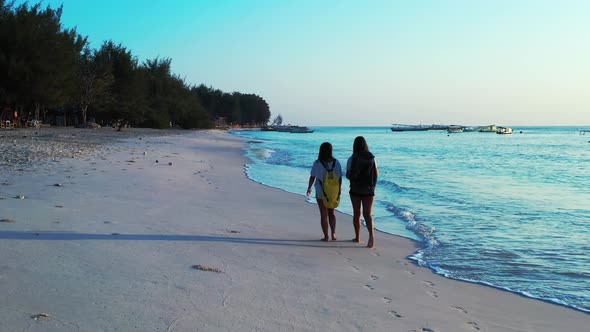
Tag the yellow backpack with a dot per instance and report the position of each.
(330, 187)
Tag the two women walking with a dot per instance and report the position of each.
(361, 170)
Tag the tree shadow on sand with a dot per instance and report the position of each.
(72, 236)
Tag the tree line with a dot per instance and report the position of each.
(48, 72)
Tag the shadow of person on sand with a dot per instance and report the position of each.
(72, 236)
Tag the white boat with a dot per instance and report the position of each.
(504, 130)
(488, 129)
(455, 129)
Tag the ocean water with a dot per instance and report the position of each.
(508, 211)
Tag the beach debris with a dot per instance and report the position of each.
(6, 220)
(170, 164)
(19, 197)
(233, 231)
(206, 268)
(41, 315)
(115, 234)
(130, 161)
(58, 206)
(58, 185)
(157, 161)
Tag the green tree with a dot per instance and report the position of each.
(94, 82)
(127, 91)
(40, 57)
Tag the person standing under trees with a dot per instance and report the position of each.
(325, 163)
(361, 170)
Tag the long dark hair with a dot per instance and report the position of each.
(360, 145)
(325, 152)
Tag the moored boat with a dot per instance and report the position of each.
(300, 130)
(504, 130)
(488, 129)
(455, 129)
(403, 127)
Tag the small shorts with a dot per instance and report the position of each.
(371, 194)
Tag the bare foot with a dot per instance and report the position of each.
(325, 239)
(333, 236)
(357, 240)
(370, 243)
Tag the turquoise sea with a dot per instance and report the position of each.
(508, 211)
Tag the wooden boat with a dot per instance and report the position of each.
(300, 130)
(488, 129)
(288, 129)
(403, 127)
(504, 130)
(455, 129)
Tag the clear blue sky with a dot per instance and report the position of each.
(505, 62)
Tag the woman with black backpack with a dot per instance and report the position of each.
(361, 170)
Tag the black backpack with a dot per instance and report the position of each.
(363, 175)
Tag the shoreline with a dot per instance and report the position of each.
(114, 247)
(419, 245)
(409, 202)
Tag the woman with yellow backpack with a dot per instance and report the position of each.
(326, 173)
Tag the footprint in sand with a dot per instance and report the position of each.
(373, 277)
(356, 268)
(433, 294)
(395, 314)
(428, 283)
(410, 272)
(370, 287)
(473, 325)
(348, 259)
(375, 253)
(387, 300)
(460, 309)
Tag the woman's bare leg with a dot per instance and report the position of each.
(368, 215)
(323, 219)
(356, 217)
(332, 220)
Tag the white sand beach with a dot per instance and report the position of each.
(113, 224)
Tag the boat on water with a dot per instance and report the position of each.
(300, 130)
(403, 127)
(488, 129)
(504, 130)
(288, 129)
(455, 129)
